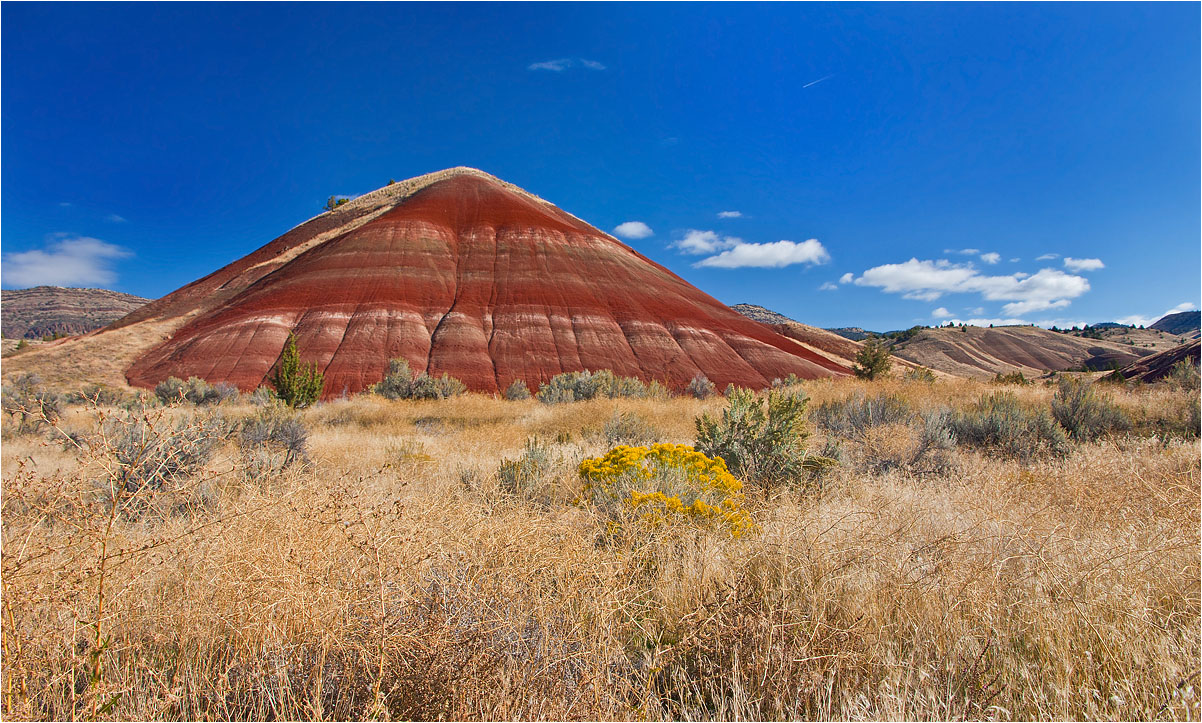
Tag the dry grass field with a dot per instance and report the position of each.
(394, 573)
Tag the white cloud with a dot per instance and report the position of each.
(1047, 257)
(705, 242)
(978, 311)
(991, 258)
(1015, 260)
(730, 214)
(1140, 320)
(67, 260)
(847, 278)
(114, 218)
(768, 255)
(559, 65)
(963, 252)
(928, 280)
(633, 229)
(1083, 264)
(941, 313)
(828, 286)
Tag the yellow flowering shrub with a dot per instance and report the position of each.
(666, 483)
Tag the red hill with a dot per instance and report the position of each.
(459, 273)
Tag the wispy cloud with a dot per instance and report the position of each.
(730, 214)
(698, 242)
(1141, 320)
(633, 229)
(65, 260)
(114, 218)
(929, 280)
(991, 258)
(828, 286)
(816, 82)
(65, 204)
(963, 252)
(768, 255)
(1083, 264)
(847, 278)
(1047, 257)
(558, 65)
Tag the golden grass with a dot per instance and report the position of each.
(393, 578)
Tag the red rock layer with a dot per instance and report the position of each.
(469, 278)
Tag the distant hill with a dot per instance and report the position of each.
(1152, 339)
(56, 311)
(833, 346)
(1156, 367)
(983, 352)
(1181, 323)
(854, 333)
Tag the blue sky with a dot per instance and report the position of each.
(888, 164)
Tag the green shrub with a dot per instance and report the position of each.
(873, 360)
(28, 406)
(1016, 378)
(401, 383)
(762, 441)
(585, 385)
(920, 374)
(1085, 415)
(297, 384)
(517, 391)
(1001, 424)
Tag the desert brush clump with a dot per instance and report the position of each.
(517, 391)
(273, 440)
(700, 387)
(585, 385)
(762, 440)
(1083, 413)
(402, 383)
(885, 433)
(523, 476)
(663, 484)
(28, 405)
(1185, 376)
(628, 428)
(161, 454)
(1001, 424)
(173, 390)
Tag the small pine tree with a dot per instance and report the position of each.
(297, 384)
(873, 360)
